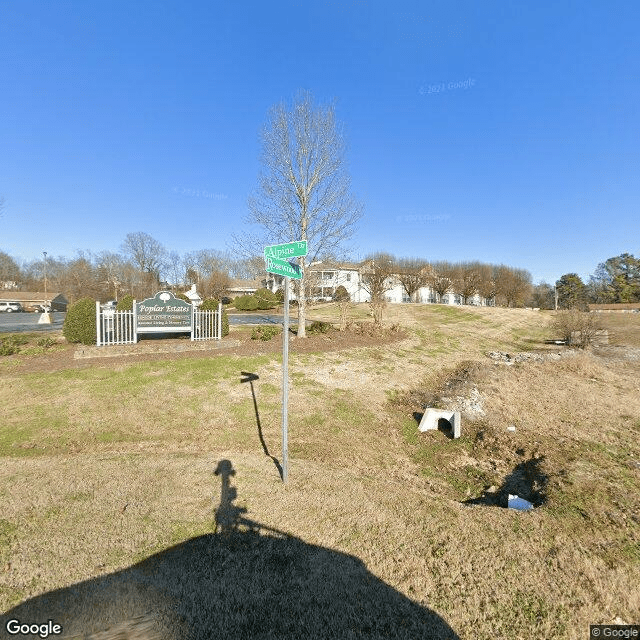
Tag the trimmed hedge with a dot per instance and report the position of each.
(211, 304)
(246, 303)
(80, 322)
(125, 304)
(266, 299)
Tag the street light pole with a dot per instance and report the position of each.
(45, 279)
(45, 318)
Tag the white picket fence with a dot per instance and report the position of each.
(120, 327)
(115, 327)
(207, 325)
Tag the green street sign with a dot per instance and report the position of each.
(283, 268)
(289, 250)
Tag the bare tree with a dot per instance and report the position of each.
(79, 278)
(467, 279)
(304, 189)
(175, 270)
(148, 255)
(110, 271)
(377, 277)
(487, 283)
(513, 286)
(441, 278)
(201, 264)
(412, 275)
(216, 285)
(542, 296)
(248, 268)
(9, 269)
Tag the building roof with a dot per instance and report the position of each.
(618, 306)
(30, 296)
(236, 284)
(332, 266)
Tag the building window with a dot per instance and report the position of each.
(348, 277)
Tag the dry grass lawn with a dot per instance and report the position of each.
(146, 495)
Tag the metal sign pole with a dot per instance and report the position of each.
(285, 382)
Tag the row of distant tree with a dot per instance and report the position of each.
(614, 281)
(141, 266)
(498, 284)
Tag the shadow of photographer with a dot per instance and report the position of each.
(246, 581)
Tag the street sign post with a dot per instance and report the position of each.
(288, 250)
(283, 268)
(275, 264)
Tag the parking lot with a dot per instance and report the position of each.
(27, 322)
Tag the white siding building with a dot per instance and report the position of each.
(326, 278)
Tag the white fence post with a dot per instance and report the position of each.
(135, 322)
(207, 325)
(98, 318)
(120, 327)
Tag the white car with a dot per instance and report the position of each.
(10, 307)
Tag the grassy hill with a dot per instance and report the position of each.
(108, 473)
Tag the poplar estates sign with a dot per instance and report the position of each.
(163, 313)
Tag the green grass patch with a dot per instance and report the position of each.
(451, 313)
(26, 344)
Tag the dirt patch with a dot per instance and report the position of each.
(238, 343)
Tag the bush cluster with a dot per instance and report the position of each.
(266, 299)
(80, 322)
(245, 303)
(577, 328)
(265, 332)
(262, 299)
(319, 327)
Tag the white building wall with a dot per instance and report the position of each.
(351, 281)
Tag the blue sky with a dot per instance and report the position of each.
(497, 131)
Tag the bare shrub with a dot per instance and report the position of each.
(577, 328)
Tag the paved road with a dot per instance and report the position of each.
(255, 319)
(27, 322)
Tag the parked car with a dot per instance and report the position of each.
(10, 307)
(41, 308)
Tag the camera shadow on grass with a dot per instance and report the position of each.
(247, 580)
